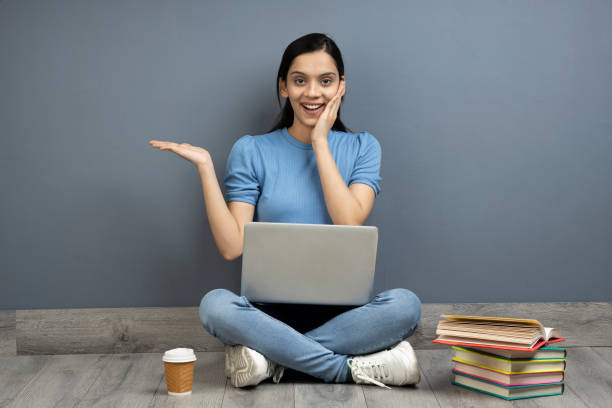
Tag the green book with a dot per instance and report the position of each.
(508, 392)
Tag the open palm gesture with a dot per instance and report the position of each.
(194, 154)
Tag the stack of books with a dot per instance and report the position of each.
(504, 357)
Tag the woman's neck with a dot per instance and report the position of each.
(300, 132)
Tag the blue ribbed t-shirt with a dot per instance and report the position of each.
(278, 174)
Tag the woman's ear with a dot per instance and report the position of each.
(283, 88)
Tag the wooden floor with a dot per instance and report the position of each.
(137, 380)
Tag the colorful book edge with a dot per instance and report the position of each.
(538, 345)
(459, 360)
(510, 398)
(518, 374)
(509, 359)
(510, 387)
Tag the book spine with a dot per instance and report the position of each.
(477, 377)
(509, 359)
(490, 353)
(511, 398)
(517, 374)
(499, 370)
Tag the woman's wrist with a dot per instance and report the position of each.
(205, 167)
(319, 143)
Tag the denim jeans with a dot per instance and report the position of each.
(322, 352)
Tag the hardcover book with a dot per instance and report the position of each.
(505, 365)
(509, 379)
(508, 392)
(542, 352)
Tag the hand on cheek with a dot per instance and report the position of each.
(328, 116)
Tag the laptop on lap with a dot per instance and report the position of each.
(308, 263)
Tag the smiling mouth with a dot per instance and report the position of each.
(313, 109)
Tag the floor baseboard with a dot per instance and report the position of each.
(151, 329)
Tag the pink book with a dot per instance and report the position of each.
(509, 380)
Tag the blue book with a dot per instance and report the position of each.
(543, 352)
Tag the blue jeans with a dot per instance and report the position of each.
(388, 318)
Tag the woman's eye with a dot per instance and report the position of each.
(326, 81)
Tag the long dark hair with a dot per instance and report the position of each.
(308, 43)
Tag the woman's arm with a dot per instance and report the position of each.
(226, 221)
(346, 205)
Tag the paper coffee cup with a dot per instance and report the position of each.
(179, 370)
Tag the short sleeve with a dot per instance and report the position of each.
(367, 165)
(241, 181)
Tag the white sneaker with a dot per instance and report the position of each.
(245, 366)
(228, 362)
(396, 366)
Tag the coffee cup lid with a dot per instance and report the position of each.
(179, 355)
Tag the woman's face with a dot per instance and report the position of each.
(312, 81)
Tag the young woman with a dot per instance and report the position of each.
(307, 169)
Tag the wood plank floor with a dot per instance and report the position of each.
(137, 380)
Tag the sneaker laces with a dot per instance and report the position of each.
(279, 370)
(365, 370)
(275, 370)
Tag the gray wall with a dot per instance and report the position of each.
(495, 119)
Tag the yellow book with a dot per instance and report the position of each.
(505, 365)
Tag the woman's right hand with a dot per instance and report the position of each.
(194, 154)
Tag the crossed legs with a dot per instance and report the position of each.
(388, 318)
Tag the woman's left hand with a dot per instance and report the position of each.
(328, 116)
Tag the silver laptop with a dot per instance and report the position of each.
(308, 263)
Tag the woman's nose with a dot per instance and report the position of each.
(313, 90)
